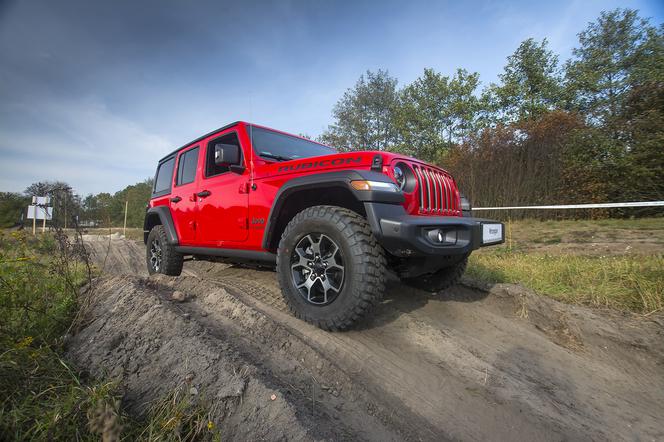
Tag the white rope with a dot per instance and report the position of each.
(579, 206)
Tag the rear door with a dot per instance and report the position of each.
(183, 199)
(223, 197)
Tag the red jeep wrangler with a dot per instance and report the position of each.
(332, 223)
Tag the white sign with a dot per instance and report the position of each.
(492, 233)
(41, 200)
(37, 212)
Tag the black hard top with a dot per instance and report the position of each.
(228, 126)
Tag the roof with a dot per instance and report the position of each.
(199, 139)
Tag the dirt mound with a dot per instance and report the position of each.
(152, 345)
(498, 363)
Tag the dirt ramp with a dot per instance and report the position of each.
(499, 363)
(236, 358)
(140, 339)
(489, 363)
(115, 255)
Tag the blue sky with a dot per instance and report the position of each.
(94, 93)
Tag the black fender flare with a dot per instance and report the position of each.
(341, 179)
(166, 220)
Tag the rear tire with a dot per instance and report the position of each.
(161, 256)
(330, 267)
(439, 280)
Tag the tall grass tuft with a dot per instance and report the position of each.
(41, 396)
(627, 283)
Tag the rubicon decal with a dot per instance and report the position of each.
(321, 163)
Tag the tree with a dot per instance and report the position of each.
(617, 81)
(435, 111)
(12, 207)
(611, 52)
(363, 116)
(137, 197)
(516, 164)
(530, 84)
(65, 204)
(107, 210)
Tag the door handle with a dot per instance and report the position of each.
(176, 199)
(204, 193)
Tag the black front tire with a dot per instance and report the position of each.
(161, 256)
(439, 280)
(363, 259)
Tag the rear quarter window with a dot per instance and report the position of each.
(164, 179)
(187, 167)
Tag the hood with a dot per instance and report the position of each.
(344, 160)
(337, 161)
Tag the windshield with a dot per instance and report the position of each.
(281, 147)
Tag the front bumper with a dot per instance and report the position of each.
(405, 235)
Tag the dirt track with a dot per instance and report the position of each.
(470, 364)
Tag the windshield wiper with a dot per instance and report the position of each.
(274, 156)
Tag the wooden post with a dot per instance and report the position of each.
(34, 222)
(44, 223)
(124, 228)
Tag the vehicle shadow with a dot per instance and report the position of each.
(402, 299)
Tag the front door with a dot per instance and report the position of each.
(183, 195)
(223, 200)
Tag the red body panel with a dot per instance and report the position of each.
(225, 217)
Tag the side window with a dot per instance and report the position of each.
(162, 184)
(187, 167)
(212, 169)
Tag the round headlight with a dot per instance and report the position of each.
(400, 177)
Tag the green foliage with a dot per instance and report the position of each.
(434, 111)
(43, 397)
(364, 115)
(108, 210)
(591, 131)
(102, 209)
(179, 416)
(12, 206)
(611, 50)
(530, 84)
(63, 200)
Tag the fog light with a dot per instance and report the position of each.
(439, 236)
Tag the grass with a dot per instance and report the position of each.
(42, 397)
(609, 223)
(627, 283)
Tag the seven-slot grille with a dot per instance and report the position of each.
(437, 194)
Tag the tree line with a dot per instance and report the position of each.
(590, 129)
(100, 210)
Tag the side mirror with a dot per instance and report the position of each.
(226, 155)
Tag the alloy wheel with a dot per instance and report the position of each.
(155, 255)
(317, 268)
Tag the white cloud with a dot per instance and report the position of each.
(79, 141)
